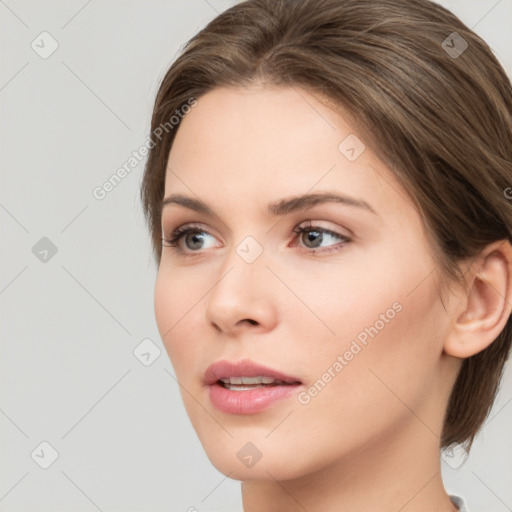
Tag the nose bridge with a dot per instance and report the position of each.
(243, 267)
(240, 293)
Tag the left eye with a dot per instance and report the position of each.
(194, 237)
(317, 235)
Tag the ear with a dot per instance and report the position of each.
(486, 304)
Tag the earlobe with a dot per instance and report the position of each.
(487, 302)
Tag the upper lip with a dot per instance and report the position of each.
(243, 368)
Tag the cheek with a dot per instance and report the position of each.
(383, 308)
(165, 305)
(175, 298)
(385, 354)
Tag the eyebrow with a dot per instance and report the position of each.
(277, 208)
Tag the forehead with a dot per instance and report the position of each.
(256, 121)
(243, 144)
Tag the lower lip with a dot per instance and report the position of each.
(249, 401)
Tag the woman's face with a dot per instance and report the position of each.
(351, 314)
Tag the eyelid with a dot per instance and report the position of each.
(343, 232)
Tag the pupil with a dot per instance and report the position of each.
(316, 235)
(196, 238)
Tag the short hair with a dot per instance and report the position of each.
(429, 96)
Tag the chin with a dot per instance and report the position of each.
(258, 457)
(270, 467)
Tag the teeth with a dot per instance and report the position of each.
(257, 380)
(252, 381)
(242, 388)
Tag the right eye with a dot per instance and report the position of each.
(192, 236)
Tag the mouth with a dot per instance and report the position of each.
(245, 387)
(246, 373)
(246, 383)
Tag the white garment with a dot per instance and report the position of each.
(460, 503)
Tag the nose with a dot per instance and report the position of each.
(242, 298)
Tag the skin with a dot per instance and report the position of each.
(369, 440)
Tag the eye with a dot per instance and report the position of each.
(193, 238)
(318, 235)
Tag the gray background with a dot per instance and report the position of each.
(69, 325)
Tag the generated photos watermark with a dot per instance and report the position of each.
(357, 345)
(100, 192)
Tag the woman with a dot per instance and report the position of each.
(328, 210)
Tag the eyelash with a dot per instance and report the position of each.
(179, 233)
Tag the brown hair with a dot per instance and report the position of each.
(438, 113)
